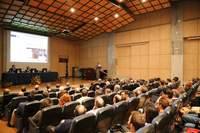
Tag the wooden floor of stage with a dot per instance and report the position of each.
(73, 81)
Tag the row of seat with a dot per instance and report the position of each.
(164, 121)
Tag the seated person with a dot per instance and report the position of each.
(107, 91)
(143, 89)
(125, 94)
(45, 95)
(20, 108)
(162, 104)
(28, 69)
(117, 98)
(65, 125)
(136, 121)
(167, 93)
(64, 99)
(189, 118)
(136, 93)
(84, 95)
(23, 89)
(98, 104)
(37, 87)
(49, 88)
(45, 103)
(57, 85)
(150, 112)
(98, 92)
(13, 69)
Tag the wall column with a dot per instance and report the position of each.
(111, 55)
(177, 40)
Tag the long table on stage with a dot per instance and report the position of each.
(25, 78)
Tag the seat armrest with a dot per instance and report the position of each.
(31, 122)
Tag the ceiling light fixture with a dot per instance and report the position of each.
(72, 9)
(96, 18)
(116, 15)
(144, 0)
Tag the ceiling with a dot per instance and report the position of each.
(87, 19)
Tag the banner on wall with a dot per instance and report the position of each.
(66, 69)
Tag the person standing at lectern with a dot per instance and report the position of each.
(28, 69)
(12, 70)
(98, 69)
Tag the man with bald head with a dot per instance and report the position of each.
(65, 125)
(117, 98)
(37, 87)
(98, 103)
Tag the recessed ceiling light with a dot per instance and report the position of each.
(143, 0)
(120, 0)
(116, 15)
(72, 9)
(96, 18)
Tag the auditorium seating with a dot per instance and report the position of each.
(110, 97)
(149, 96)
(77, 96)
(148, 128)
(68, 109)
(83, 124)
(102, 84)
(55, 100)
(142, 98)
(103, 119)
(13, 105)
(120, 110)
(6, 99)
(38, 97)
(91, 93)
(26, 93)
(125, 87)
(88, 103)
(104, 97)
(67, 88)
(49, 116)
(40, 91)
(52, 94)
(159, 123)
(111, 86)
(30, 109)
(132, 105)
(71, 92)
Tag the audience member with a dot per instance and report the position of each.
(84, 95)
(107, 91)
(188, 85)
(64, 99)
(62, 92)
(136, 121)
(162, 104)
(116, 88)
(150, 112)
(67, 84)
(20, 108)
(57, 85)
(98, 104)
(37, 87)
(6, 91)
(144, 89)
(98, 92)
(45, 103)
(77, 90)
(65, 125)
(81, 85)
(125, 94)
(45, 95)
(175, 95)
(20, 93)
(23, 89)
(117, 98)
(136, 93)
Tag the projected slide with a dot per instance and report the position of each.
(26, 47)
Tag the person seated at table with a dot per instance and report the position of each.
(13, 69)
(28, 69)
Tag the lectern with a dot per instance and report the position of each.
(89, 73)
